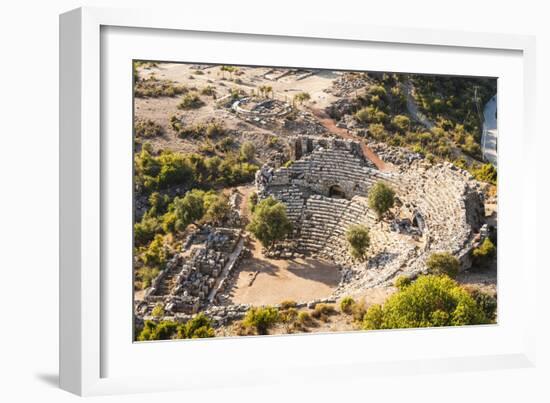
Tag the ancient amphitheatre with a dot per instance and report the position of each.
(212, 143)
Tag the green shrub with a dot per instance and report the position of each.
(252, 201)
(358, 239)
(304, 319)
(247, 151)
(323, 311)
(377, 131)
(153, 87)
(381, 198)
(225, 144)
(147, 128)
(443, 263)
(486, 302)
(158, 311)
(261, 318)
(346, 305)
(146, 229)
(288, 304)
(208, 90)
(485, 173)
(190, 101)
(483, 255)
(428, 301)
(269, 222)
(164, 330)
(154, 255)
(402, 282)
(145, 276)
(401, 122)
(197, 328)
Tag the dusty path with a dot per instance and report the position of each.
(490, 131)
(330, 125)
(264, 281)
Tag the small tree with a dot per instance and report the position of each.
(269, 222)
(443, 263)
(188, 209)
(218, 210)
(359, 240)
(247, 151)
(381, 198)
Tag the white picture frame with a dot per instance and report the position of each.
(86, 341)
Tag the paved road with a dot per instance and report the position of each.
(490, 131)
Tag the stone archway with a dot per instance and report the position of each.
(336, 192)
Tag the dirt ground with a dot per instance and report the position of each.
(264, 281)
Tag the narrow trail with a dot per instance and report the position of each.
(330, 125)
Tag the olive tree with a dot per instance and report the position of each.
(381, 198)
(358, 240)
(269, 222)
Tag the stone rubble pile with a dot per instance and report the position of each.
(192, 278)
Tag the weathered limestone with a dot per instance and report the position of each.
(438, 208)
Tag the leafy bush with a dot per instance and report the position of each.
(358, 240)
(402, 282)
(323, 311)
(484, 253)
(147, 128)
(261, 318)
(146, 229)
(304, 319)
(145, 276)
(247, 151)
(485, 173)
(443, 263)
(164, 330)
(381, 198)
(428, 301)
(190, 101)
(158, 311)
(197, 328)
(154, 255)
(346, 305)
(401, 122)
(153, 87)
(269, 222)
(486, 302)
(288, 304)
(208, 90)
(253, 201)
